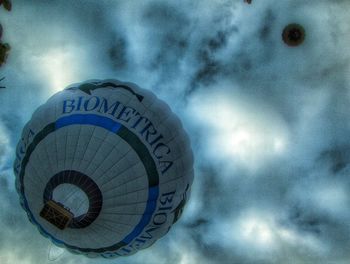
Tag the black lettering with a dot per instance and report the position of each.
(167, 198)
(94, 105)
(65, 105)
(159, 218)
(125, 112)
(79, 103)
(161, 149)
(156, 140)
(29, 136)
(139, 120)
(148, 232)
(165, 165)
(148, 130)
(105, 107)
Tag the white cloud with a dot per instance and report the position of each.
(5, 147)
(58, 67)
(257, 234)
(239, 131)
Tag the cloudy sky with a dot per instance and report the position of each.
(269, 124)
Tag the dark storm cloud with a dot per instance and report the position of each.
(171, 39)
(267, 23)
(117, 53)
(336, 158)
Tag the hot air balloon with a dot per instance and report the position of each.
(4, 47)
(1, 79)
(293, 35)
(103, 168)
(4, 50)
(7, 4)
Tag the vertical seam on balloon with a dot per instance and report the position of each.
(40, 179)
(109, 153)
(100, 146)
(105, 173)
(120, 172)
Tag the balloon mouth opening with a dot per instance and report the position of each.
(7, 4)
(293, 35)
(73, 196)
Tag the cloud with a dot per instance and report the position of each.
(239, 131)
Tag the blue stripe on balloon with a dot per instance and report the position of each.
(146, 217)
(95, 120)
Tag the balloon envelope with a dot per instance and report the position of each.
(293, 35)
(7, 4)
(4, 50)
(103, 168)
